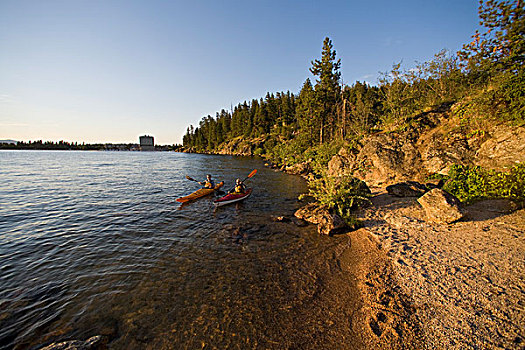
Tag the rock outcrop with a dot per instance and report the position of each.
(432, 146)
(241, 147)
(299, 169)
(439, 150)
(504, 147)
(383, 159)
(441, 207)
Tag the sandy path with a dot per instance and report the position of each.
(465, 281)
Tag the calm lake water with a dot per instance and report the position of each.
(94, 243)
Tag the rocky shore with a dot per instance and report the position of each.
(437, 274)
(421, 285)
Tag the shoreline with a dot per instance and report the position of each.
(422, 288)
(413, 289)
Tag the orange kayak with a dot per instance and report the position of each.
(199, 193)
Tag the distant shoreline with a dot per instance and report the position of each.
(75, 146)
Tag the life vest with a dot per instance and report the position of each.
(208, 184)
(239, 188)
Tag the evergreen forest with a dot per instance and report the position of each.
(486, 78)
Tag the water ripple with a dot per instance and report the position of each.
(94, 243)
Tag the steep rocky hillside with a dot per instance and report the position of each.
(430, 144)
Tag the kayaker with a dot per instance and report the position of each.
(208, 183)
(239, 188)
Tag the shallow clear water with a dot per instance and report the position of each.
(95, 243)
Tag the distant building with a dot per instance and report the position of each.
(147, 143)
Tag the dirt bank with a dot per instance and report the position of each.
(463, 284)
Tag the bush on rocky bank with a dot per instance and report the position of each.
(341, 195)
(473, 183)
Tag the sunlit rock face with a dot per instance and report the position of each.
(413, 154)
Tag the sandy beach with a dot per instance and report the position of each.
(424, 285)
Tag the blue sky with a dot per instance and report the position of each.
(109, 71)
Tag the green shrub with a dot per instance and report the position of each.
(341, 194)
(475, 183)
(437, 176)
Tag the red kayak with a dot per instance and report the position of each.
(232, 198)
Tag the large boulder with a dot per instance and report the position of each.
(407, 189)
(387, 158)
(342, 163)
(327, 222)
(338, 165)
(441, 207)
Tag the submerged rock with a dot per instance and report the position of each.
(312, 213)
(441, 206)
(299, 222)
(327, 222)
(407, 189)
(280, 219)
(90, 344)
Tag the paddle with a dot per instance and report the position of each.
(254, 171)
(191, 179)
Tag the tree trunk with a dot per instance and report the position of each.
(321, 133)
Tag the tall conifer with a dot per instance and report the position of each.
(327, 88)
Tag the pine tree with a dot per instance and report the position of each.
(305, 110)
(327, 88)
